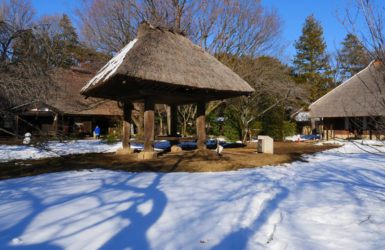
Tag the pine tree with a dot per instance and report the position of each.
(352, 58)
(68, 40)
(311, 63)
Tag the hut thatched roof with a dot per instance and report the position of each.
(361, 95)
(165, 66)
(64, 97)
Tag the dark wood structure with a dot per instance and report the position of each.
(356, 108)
(65, 110)
(161, 66)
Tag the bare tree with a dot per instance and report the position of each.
(365, 19)
(15, 19)
(23, 73)
(108, 25)
(273, 86)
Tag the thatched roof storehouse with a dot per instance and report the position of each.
(347, 108)
(165, 66)
(162, 66)
(66, 97)
(65, 109)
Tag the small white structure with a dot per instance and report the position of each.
(265, 144)
(219, 149)
(27, 138)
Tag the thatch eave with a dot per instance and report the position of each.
(362, 95)
(159, 61)
(137, 90)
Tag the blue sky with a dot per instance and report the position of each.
(293, 13)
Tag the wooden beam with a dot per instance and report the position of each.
(201, 125)
(127, 110)
(149, 126)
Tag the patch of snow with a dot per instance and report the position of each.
(110, 68)
(56, 149)
(334, 200)
(302, 137)
(302, 117)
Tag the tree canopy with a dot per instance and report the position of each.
(311, 63)
(352, 57)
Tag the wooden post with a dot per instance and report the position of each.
(201, 125)
(346, 123)
(17, 126)
(174, 120)
(313, 128)
(127, 110)
(55, 124)
(148, 126)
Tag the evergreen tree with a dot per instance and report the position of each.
(352, 58)
(67, 42)
(311, 63)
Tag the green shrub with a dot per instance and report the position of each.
(289, 128)
(111, 138)
(231, 128)
(272, 123)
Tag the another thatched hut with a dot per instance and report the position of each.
(162, 66)
(64, 110)
(356, 107)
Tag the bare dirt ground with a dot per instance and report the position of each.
(185, 161)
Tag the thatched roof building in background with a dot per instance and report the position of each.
(362, 95)
(163, 65)
(66, 98)
(64, 105)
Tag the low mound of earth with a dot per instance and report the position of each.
(185, 161)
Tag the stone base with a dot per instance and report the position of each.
(125, 151)
(176, 149)
(147, 155)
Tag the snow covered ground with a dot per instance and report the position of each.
(55, 149)
(335, 200)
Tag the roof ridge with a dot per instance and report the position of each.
(356, 75)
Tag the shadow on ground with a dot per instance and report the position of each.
(112, 213)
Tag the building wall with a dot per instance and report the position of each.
(353, 128)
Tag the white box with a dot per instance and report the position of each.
(265, 144)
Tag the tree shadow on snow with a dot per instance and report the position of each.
(131, 236)
(239, 239)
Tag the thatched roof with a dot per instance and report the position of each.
(165, 66)
(361, 95)
(64, 96)
(67, 98)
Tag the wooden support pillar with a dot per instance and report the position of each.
(55, 124)
(174, 120)
(201, 125)
(17, 126)
(364, 123)
(346, 123)
(313, 128)
(149, 126)
(127, 110)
